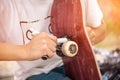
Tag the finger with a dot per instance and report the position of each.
(52, 45)
(89, 29)
(49, 53)
(92, 37)
(54, 38)
(92, 34)
(52, 48)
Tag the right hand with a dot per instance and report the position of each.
(41, 44)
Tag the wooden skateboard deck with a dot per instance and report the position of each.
(66, 19)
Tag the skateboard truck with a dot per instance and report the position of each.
(65, 46)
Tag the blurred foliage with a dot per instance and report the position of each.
(111, 12)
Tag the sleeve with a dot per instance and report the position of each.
(5, 16)
(93, 13)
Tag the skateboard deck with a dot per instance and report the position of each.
(66, 19)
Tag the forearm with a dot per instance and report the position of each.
(98, 34)
(12, 52)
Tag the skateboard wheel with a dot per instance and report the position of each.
(69, 48)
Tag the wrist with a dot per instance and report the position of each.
(12, 52)
(26, 52)
(21, 52)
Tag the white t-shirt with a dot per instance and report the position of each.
(11, 30)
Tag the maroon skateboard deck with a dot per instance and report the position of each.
(66, 19)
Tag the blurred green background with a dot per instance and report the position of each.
(111, 11)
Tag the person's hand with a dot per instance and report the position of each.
(41, 44)
(91, 34)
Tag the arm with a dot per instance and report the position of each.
(12, 52)
(95, 26)
(40, 45)
(96, 34)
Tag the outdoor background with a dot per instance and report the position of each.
(111, 13)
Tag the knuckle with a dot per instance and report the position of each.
(43, 41)
(54, 37)
(45, 47)
(51, 55)
(54, 49)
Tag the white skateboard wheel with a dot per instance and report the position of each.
(69, 48)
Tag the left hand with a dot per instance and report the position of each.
(91, 34)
